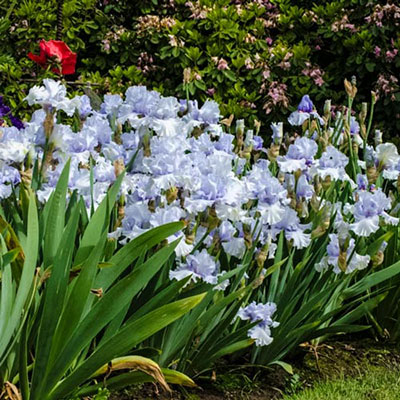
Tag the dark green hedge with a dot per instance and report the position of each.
(257, 58)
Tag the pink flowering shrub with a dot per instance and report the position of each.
(255, 57)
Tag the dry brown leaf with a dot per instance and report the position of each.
(12, 391)
(135, 363)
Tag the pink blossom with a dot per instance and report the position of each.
(319, 81)
(342, 24)
(386, 85)
(198, 11)
(390, 55)
(285, 65)
(249, 63)
(276, 96)
(266, 73)
(250, 38)
(210, 91)
(145, 62)
(175, 42)
(222, 64)
(377, 51)
(247, 104)
(106, 45)
(314, 73)
(381, 12)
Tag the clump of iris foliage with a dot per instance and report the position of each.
(145, 233)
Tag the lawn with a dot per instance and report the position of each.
(375, 383)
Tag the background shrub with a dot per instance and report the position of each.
(257, 58)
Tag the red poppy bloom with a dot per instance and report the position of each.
(58, 51)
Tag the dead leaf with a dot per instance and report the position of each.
(12, 391)
(135, 363)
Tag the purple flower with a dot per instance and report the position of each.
(371, 204)
(305, 105)
(9, 174)
(104, 171)
(5, 191)
(290, 224)
(4, 110)
(225, 143)
(304, 112)
(130, 140)
(199, 265)
(354, 261)
(300, 155)
(209, 112)
(17, 122)
(111, 104)
(362, 182)
(98, 128)
(367, 210)
(303, 188)
(226, 231)
(333, 158)
(303, 148)
(142, 100)
(263, 313)
(332, 163)
(272, 192)
(257, 143)
(167, 107)
(354, 126)
(183, 105)
(277, 132)
(85, 108)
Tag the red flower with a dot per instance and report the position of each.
(58, 51)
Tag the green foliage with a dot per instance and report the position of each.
(310, 306)
(57, 303)
(257, 58)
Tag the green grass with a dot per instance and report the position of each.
(376, 384)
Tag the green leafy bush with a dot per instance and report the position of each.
(256, 58)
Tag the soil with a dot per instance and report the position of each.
(349, 357)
